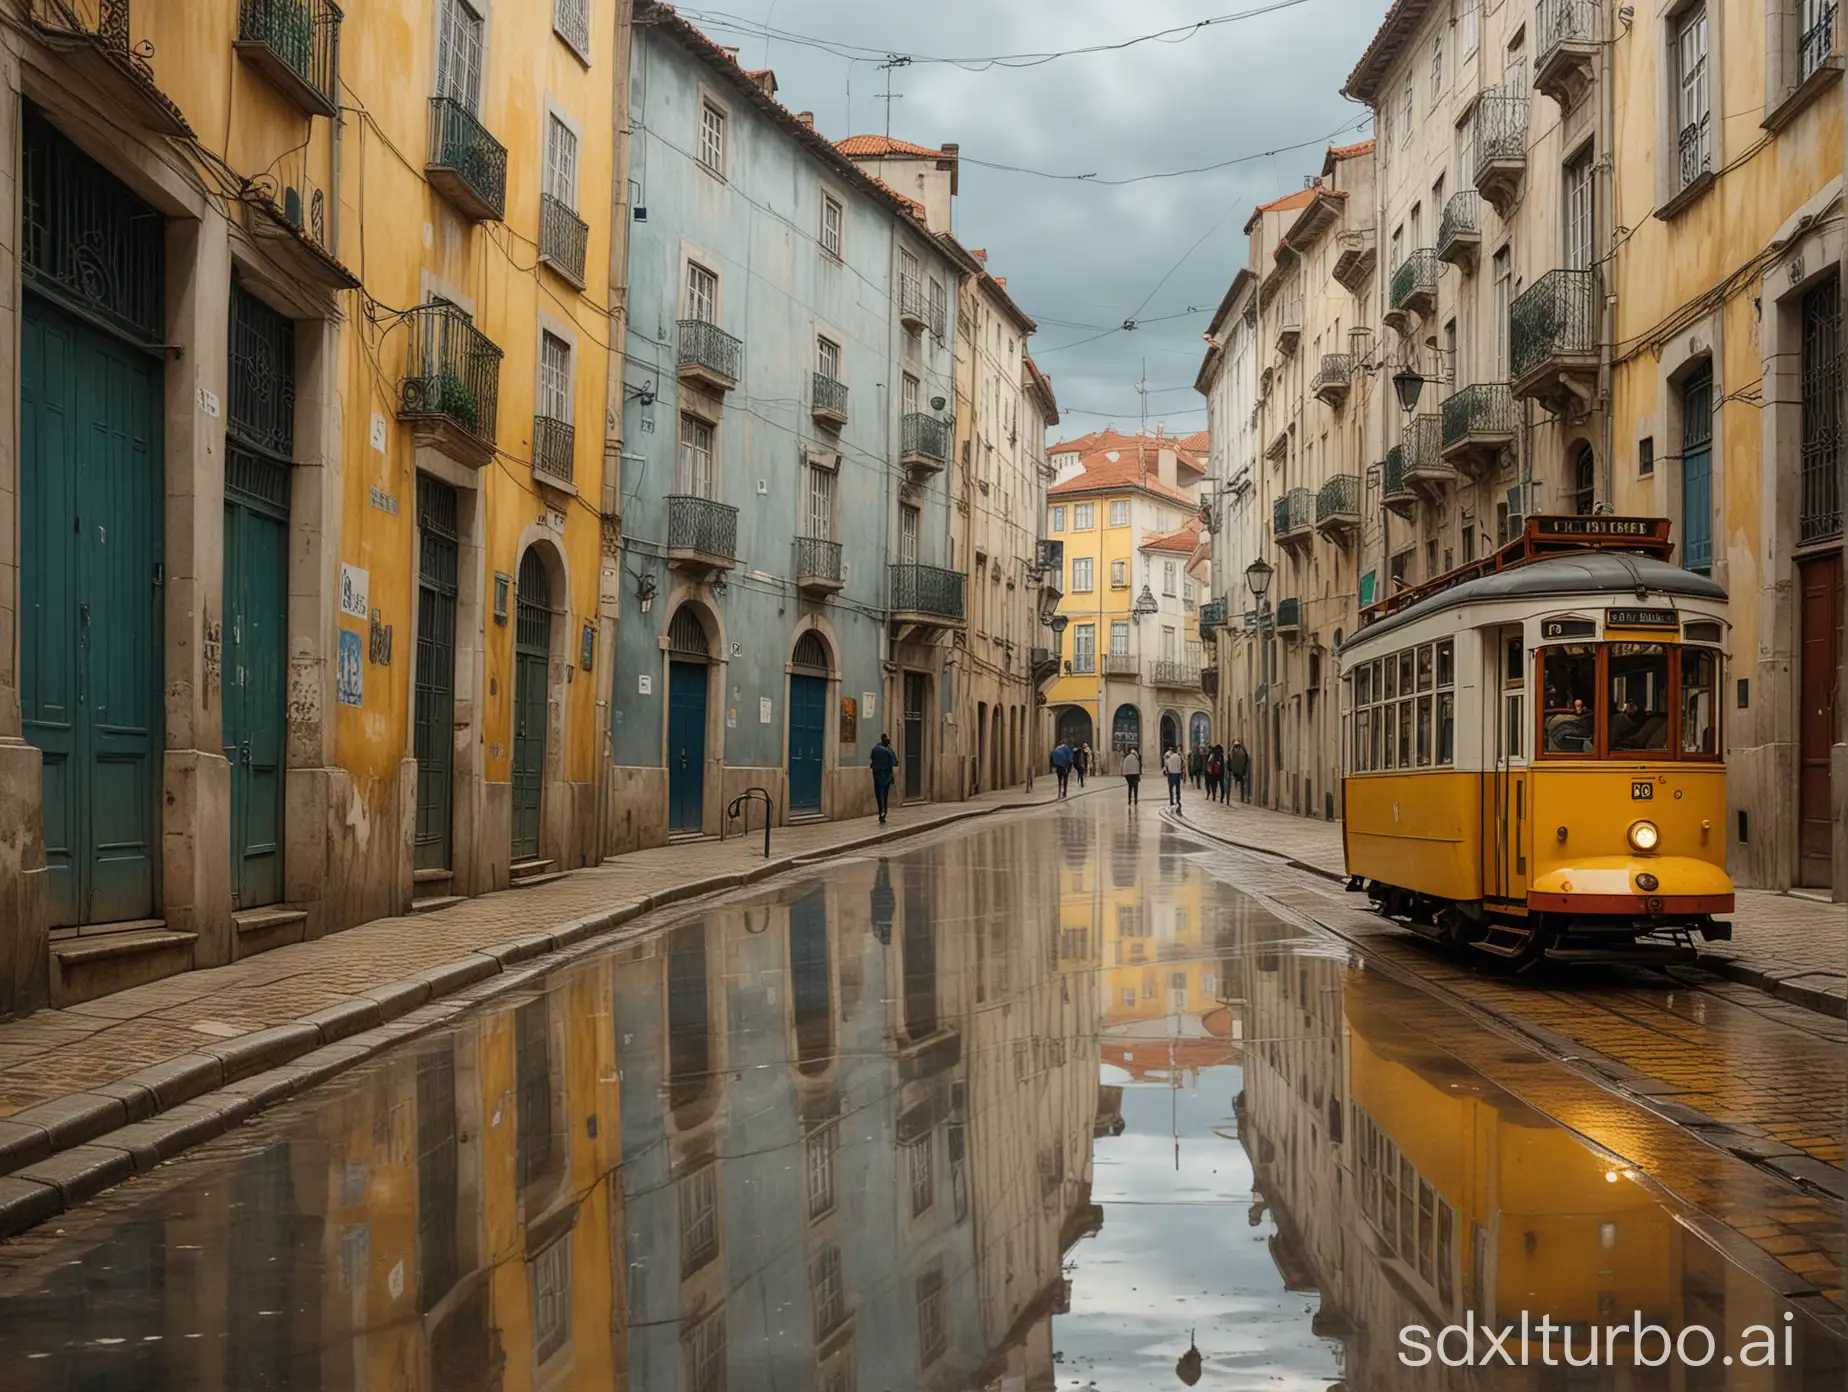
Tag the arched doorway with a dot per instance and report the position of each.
(532, 657)
(1126, 729)
(1584, 482)
(688, 654)
(1170, 730)
(1074, 725)
(808, 721)
(1200, 730)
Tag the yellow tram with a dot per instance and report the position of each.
(1533, 756)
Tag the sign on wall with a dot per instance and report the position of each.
(850, 721)
(351, 679)
(355, 592)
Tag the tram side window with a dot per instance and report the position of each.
(1638, 711)
(1700, 703)
(1569, 716)
(1446, 702)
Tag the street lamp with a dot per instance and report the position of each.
(1258, 577)
(1408, 384)
(1145, 604)
(1258, 580)
(1058, 623)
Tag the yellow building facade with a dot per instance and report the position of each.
(339, 532)
(1726, 384)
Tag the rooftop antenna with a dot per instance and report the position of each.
(1142, 437)
(893, 60)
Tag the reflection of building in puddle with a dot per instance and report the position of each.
(1409, 1191)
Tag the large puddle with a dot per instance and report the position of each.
(1033, 1105)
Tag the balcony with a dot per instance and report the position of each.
(467, 165)
(1293, 518)
(563, 236)
(1501, 148)
(1290, 325)
(818, 567)
(1355, 256)
(451, 390)
(1279, 447)
(1566, 37)
(1479, 427)
(1459, 231)
(924, 448)
(1212, 616)
(1553, 342)
(1049, 565)
(296, 45)
(1398, 497)
(1414, 289)
(1120, 665)
(1693, 166)
(98, 58)
(702, 535)
(709, 357)
(828, 401)
(1174, 676)
(1330, 385)
(554, 452)
(1043, 665)
(1337, 507)
(1289, 616)
(911, 311)
(1209, 682)
(1425, 466)
(926, 596)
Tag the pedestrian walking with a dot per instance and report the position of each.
(885, 765)
(1062, 764)
(1216, 774)
(1196, 766)
(1176, 768)
(1132, 775)
(1083, 762)
(1238, 764)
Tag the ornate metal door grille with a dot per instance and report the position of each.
(1821, 515)
(262, 405)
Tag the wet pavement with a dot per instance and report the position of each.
(1053, 1100)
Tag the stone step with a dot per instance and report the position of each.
(542, 877)
(83, 968)
(522, 868)
(436, 903)
(258, 930)
(424, 877)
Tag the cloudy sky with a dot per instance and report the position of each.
(1081, 256)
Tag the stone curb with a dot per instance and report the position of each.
(57, 1154)
(1776, 981)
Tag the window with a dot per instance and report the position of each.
(705, 1354)
(1168, 572)
(702, 294)
(1081, 575)
(1167, 643)
(1700, 703)
(1431, 570)
(818, 503)
(1084, 648)
(696, 473)
(1469, 27)
(1466, 149)
(458, 54)
(1638, 707)
(712, 138)
(554, 377)
(930, 1317)
(922, 1175)
(1645, 457)
(1058, 518)
(939, 309)
(551, 1278)
(1188, 601)
(1119, 512)
(910, 277)
(1504, 296)
(818, 1155)
(1119, 637)
(908, 524)
(1569, 709)
(571, 22)
(911, 395)
(1585, 482)
(561, 162)
(1437, 67)
(1697, 472)
(1820, 368)
(828, 359)
(1119, 575)
(1083, 517)
(1405, 112)
(1693, 111)
(1579, 224)
(833, 225)
(699, 1218)
(1817, 36)
(828, 1295)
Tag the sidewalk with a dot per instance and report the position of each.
(1793, 947)
(157, 1068)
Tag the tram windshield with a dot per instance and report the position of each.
(1629, 701)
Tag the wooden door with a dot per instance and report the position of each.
(914, 736)
(434, 716)
(1820, 627)
(686, 746)
(532, 651)
(256, 617)
(808, 720)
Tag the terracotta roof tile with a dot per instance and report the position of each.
(1184, 541)
(1354, 151)
(1285, 204)
(872, 146)
(1131, 468)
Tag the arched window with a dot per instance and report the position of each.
(1584, 482)
(811, 653)
(686, 635)
(1126, 728)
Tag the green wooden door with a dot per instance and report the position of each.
(256, 611)
(434, 716)
(90, 611)
(532, 648)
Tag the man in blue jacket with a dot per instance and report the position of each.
(1062, 764)
(885, 765)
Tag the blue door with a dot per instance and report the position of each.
(686, 746)
(808, 723)
(1697, 472)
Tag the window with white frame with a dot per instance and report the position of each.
(1469, 27)
(910, 394)
(696, 473)
(1693, 100)
(1168, 572)
(933, 1337)
(1119, 512)
(818, 503)
(1084, 648)
(1405, 112)
(939, 309)
(828, 359)
(1084, 516)
(1167, 644)
(922, 1171)
(1437, 67)
(1081, 575)
(908, 526)
(459, 43)
(571, 22)
(828, 1296)
(1579, 225)
(833, 225)
(551, 1278)
(1119, 575)
(554, 377)
(704, 1349)
(819, 1150)
(1119, 637)
(712, 137)
(910, 275)
(1466, 149)
(561, 162)
(1504, 298)
(702, 294)
(1058, 519)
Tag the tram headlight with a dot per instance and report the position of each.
(1644, 836)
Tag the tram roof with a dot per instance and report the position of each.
(1586, 573)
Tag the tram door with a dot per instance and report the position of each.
(1510, 791)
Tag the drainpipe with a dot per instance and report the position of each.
(1606, 166)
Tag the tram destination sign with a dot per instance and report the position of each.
(1595, 526)
(1641, 618)
(1568, 628)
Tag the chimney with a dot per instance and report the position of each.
(952, 153)
(765, 79)
(807, 118)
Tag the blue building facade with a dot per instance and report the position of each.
(789, 589)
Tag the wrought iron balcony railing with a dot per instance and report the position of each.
(554, 448)
(1289, 615)
(297, 44)
(467, 165)
(1184, 675)
(453, 371)
(1424, 448)
(927, 590)
(1486, 409)
(1332, 376)
(1564, 21)
(1395, 474)
(563, 236)
(701, 525)
(1415, 280)
(1292, 514)
(817, 558)
(1461, 222)
(911, 302)
(1695, 153)
(830, 397)
(707, 350)
(926, 437)
(1501, 128)
(1337, 499)
(1556, 316)
(1212, 615)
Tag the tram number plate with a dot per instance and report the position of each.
(1642, 790)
